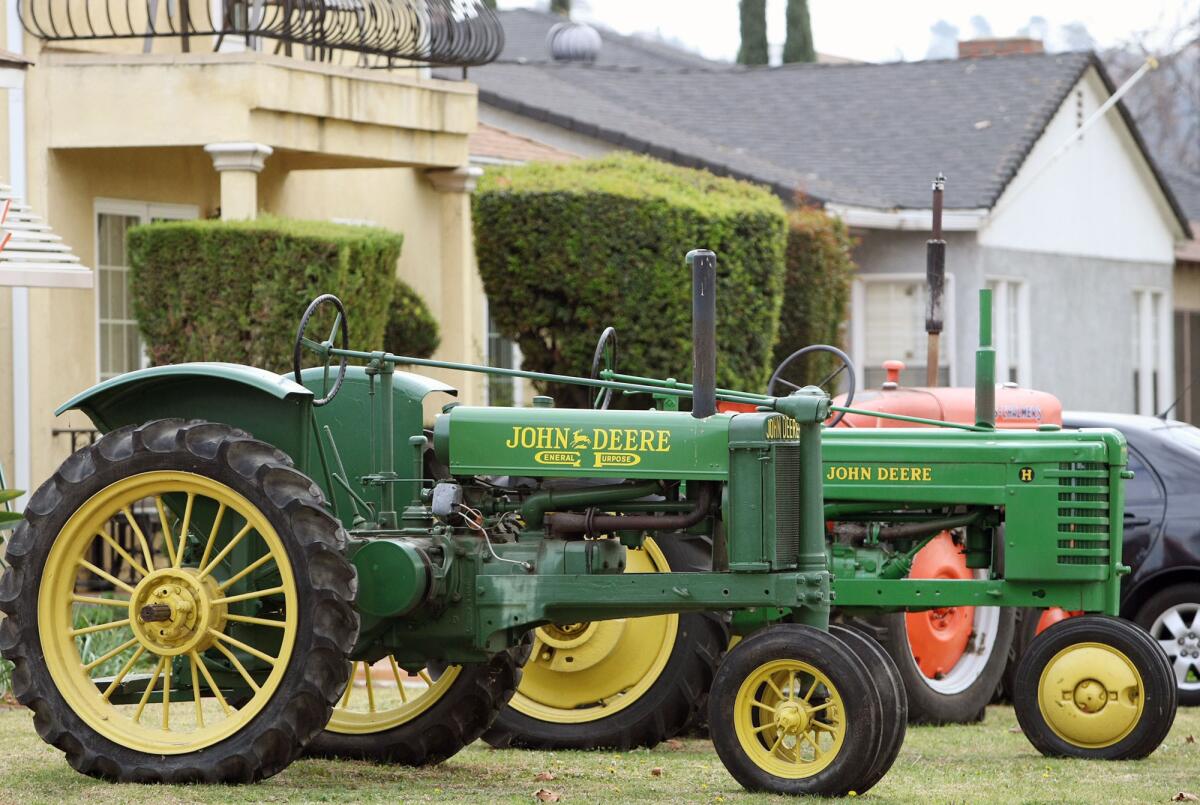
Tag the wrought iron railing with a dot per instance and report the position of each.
(430, 32)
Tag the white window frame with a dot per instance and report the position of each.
(947, 347)
(1152, 306)
(147, 212)
(518, 382)
(1010, 291)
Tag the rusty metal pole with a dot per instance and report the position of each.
(935, 278)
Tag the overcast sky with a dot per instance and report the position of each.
(883, 30)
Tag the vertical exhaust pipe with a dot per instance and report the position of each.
(985, 365)
(704, 332)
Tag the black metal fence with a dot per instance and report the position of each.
(435, 32)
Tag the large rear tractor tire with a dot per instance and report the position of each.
(1095, 687)
(387, 715)
(211, 653)
(619, 683)
(952, 658)
(794, 710)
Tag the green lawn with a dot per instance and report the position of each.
(989, 762)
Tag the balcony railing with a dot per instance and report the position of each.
(462, 33)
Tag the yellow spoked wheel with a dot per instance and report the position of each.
(582, 672)
(167, 611)
(1095, 687)
(615, 683)
(390, 715)
(794, 710)
(382, 696)
(789, 718)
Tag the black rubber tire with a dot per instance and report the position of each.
(851, 769)
(665, 710)
(1159, 702)
(926, 705)
(1159, 603)
(326, 584)
(1025, 623)
(455, 721)
(892, 696)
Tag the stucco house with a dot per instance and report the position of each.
(1080, 251)
(98, 134)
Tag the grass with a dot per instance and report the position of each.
(983, 763)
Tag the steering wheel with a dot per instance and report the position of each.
(606, 350)
(323, 349)
(778, 383)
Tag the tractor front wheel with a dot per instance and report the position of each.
(794, 710)
(1095, 687)
(179, 607)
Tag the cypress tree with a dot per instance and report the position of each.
(754, 32)
(798, 47)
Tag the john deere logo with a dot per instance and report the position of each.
(1025, 474)
(608, 447)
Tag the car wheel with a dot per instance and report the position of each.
(1172, 617)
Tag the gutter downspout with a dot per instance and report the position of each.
(22, 447)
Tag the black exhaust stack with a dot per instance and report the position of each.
(704, 332)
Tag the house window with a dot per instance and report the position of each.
(504, 354)
(1010, 330)
(1152, 341)
(887, 322)
(1187, 366)
(119, 345)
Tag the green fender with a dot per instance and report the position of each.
(275, 409)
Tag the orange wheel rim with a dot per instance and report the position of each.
(939, 637)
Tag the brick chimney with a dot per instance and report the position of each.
(998, 46)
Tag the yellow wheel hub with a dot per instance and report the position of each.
(171, 611)
(1091, 695)
(133, 629)
(583, 672)
(789, 719)
(382, 696)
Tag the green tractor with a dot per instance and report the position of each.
(346, 582)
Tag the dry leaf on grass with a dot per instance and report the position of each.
(656, 771)
(1185, 796)
(1191, 739)
(544, 776)
(1015, 730)
(546, 795)
(674, 744)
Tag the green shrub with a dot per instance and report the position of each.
(234, 290)
(816, 291)
(411, 330)
(566, 249)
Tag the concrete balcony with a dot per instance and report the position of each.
(313, 115)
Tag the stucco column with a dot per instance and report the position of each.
(239, 165)
(463, 315)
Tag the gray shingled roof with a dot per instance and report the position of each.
(1187, 190)
(861, 134)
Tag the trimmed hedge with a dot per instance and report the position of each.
(566, 249)
(411, 330)
(235, 290)
(816, 291)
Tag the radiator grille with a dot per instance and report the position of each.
(1083, 510)
(787, 504)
